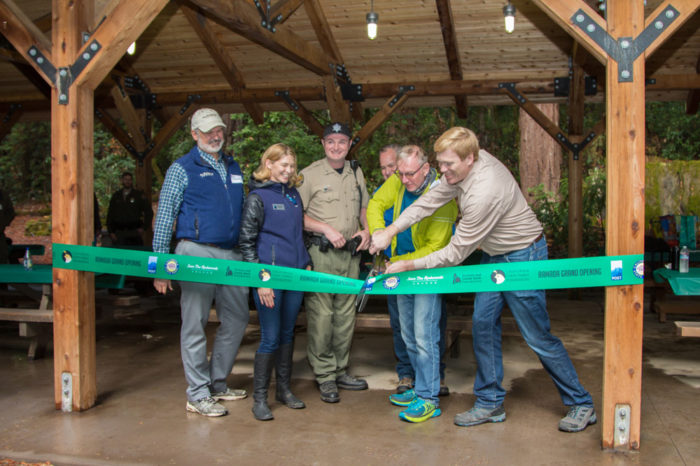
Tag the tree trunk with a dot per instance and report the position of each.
(540, 155)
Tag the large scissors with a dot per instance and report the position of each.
(362, 297)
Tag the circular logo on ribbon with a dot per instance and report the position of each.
(498, 277)
(264, 275)
(171, 266)
(67, 257)
(638, 269)
(391, 283)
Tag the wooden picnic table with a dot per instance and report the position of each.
(34, 321)
(685, 285)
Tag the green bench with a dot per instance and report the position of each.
(33, 321)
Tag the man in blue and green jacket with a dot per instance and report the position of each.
(419, 314)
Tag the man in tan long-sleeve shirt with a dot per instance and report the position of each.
(496, 218)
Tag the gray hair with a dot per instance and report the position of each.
(412, 150)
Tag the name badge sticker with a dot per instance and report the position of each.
(236, 179)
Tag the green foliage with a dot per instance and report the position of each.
(552, 210)
(671, 133)
(25, 162)
(249, 141)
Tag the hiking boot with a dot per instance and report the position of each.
(577, 419)
(420, 410)
(206, 406)
(403, 399)
(406, 383)
(348, 382)
(444, 389)
(230, 395)
(476, 416)
(329, 392)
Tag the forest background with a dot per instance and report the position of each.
(671, 134)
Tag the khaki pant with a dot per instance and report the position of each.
(330, 317)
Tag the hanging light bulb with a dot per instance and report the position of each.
(132, 48)
(372, 19)
(509, 13)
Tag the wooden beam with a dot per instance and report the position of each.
(283, 9)
(223, 60)
(323, 30)
(575, 164)
(72, 221)
(337, 106)
(624, 305)
(377, 120)
(543, 120)
(561, 13)
(686, 9)
(115, 130)
(130, 116)
(242, 18)
(24, 34)
(449, 38)
(122, 26)
(9, 120)
(370, 90)
(305, 115)
(173, 124)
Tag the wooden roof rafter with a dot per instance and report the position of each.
(242, 18)
(223, 60)
(283, 9)
(449, 37)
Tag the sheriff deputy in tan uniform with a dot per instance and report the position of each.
(335, 202)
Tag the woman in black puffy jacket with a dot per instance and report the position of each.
(272, 233)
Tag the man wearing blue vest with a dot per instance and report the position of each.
(203, 195)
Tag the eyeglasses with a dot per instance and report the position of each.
(410, 174)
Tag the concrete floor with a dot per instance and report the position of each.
(140, 414)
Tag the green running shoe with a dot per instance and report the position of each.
(420, 410)
(402, 399)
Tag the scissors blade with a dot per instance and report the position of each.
(362, 297)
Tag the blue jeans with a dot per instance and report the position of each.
(277, 323)
(420, 329)
(403, 366)
(530, 311)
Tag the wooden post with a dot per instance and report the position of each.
(575, 164)
(75, 381)
(622, 375)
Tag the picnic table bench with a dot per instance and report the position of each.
(34, 321)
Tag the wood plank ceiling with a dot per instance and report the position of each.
(172, 60)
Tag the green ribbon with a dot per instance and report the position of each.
(531, 275)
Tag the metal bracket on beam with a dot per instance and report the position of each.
(575, 148)
(288, 100)
(192, 98)
(621, 435)
(402, 91)
(562, 86)
(44, 65)
(64, 76)
(265, 20)
(66, 392)
(626, 49)
(352, 92)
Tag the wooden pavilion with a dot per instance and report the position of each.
(67, 59)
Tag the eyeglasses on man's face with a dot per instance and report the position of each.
(410, 174)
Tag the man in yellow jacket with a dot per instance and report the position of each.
(419, 313)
